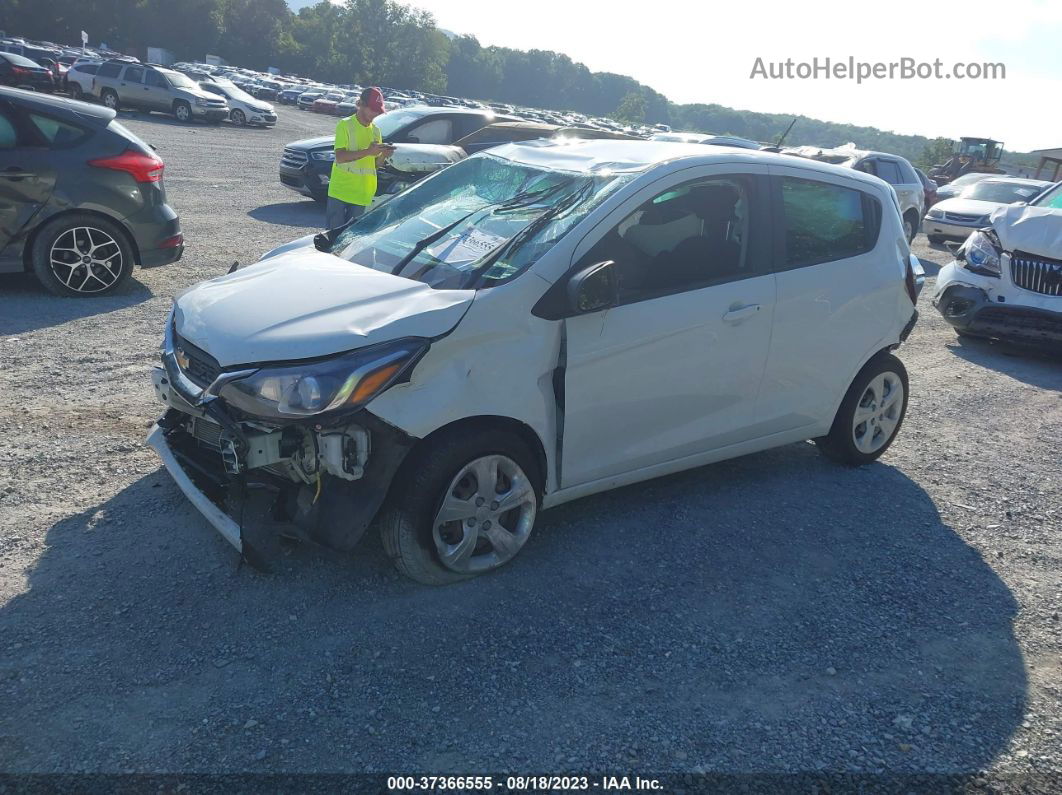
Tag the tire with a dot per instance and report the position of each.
(64, 271)
(109, 98)
(182, 111)
(936, 240)
(873, 395)
(910, 228)
(446, 471)
(75, 91)
(238, 117)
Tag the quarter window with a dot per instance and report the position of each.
(825, 222)
(58, 134)
(686, 237)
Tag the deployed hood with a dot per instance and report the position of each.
(304, 303)
(1036, 230)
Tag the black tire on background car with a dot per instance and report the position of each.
(870, 415)
(936, 240)
(81, 255)
(109, 98)
(238, 117)
(463, 505)
(75, 91)
(182, 111)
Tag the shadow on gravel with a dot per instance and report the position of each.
(772, 613)
(1032, 366)
(307, 214)
(26, 306)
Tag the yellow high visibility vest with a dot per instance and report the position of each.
(354, 182)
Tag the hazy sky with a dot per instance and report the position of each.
(702, 51)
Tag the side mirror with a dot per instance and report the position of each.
(594, 288)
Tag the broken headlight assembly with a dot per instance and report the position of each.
(305, 389)
(981, 253)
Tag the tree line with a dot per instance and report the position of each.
(383, 42)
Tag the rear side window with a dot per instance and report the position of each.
(109, 70)
(826, 222)
(8, 134)
(87, 68)
(133, 74)
(889, 170)
(155, 80)
(58, 134)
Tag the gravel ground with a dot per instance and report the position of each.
(773, 613)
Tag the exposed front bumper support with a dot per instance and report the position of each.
(221, 521)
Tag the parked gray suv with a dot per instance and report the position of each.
(119, 84)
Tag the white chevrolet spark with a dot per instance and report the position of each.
(534, 324)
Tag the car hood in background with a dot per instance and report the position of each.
(312, 143)
(1035, 230)
(304, 303)
(967, 206)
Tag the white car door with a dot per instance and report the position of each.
(836, 301)
(675, 368)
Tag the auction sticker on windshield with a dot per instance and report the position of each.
(469, 246)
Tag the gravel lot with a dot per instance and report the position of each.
(773, 613)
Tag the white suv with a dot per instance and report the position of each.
(534, 324)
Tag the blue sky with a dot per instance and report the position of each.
(696, 51)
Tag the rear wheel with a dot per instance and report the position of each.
(467, 507)
(81, 255)
(870, 415)
(910, 227)
(109, 98)
(182, 111)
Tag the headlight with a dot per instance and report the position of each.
(325, 154)
(934, 213)
(201, 101)
(348, 381)
(981, 254)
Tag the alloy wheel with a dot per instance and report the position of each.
(238, 117)
(878, 413)
(183, 113)
(86, 260)
(486, 515)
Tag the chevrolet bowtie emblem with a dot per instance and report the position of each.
(182, 359)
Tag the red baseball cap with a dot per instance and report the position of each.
(373, 99)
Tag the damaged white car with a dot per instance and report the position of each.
(1006, 279)
(534, 324)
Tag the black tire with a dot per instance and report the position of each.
(74, 279)
(182, 111)
(936, 240)
(238, 117)
(420, 487)
(75, 91)
(110, 99)
(839, 444)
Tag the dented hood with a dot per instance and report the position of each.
(1036, 230)
(305, 303)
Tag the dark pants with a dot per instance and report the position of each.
(338, 213)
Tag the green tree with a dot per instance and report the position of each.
(935, 152)
(632, 108)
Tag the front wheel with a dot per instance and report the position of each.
(870, 415)
(182, 111)
(936, 240)
(910, 228)
(466, 507)
(75, 91)
(238, 118)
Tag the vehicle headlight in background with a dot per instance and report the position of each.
(980, 254)
(349, 381)
(324, 154)
(201, 101)
(934, 213)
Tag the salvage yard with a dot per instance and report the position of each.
(773, 613)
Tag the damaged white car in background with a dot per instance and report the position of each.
(535, 324)
(1006, 280)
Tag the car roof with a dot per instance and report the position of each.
(597, 155)
(59, 106)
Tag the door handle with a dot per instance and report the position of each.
(737, 314)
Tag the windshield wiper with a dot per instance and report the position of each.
(518, 199)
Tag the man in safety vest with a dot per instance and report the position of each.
(359, 148)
